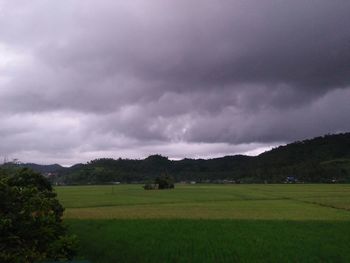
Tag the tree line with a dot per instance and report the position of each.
(320, 160)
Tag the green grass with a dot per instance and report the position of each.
(210, 223)
(212, 240)
(285, 202)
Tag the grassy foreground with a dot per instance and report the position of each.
(212, 240)
(210, 223)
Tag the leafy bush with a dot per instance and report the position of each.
(150, 186)
(31, 227)
(165, 182)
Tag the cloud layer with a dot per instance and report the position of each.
(86, 79)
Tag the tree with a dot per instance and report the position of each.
(150, 186)
(164, 181)
(31, 227)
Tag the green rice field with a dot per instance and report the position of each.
(210, 223)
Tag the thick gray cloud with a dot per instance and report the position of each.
(86, 79)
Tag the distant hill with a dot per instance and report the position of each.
(51, 168)
(41, 168)
(322, 159)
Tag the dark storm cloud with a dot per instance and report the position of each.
(304, 44)
(128, 78)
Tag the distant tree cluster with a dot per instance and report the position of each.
(31, 227)
(164, 181)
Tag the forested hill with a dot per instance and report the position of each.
(322, 159)
(51, 168)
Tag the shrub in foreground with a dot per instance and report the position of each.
(31, 227)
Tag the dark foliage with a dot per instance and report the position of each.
(31, 227)
(150, 186)
(164, 181)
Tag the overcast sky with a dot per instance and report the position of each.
(83, 79)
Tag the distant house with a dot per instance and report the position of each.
(291, 180)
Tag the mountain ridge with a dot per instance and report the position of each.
(320, 159)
